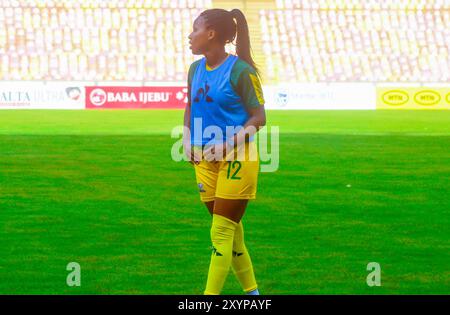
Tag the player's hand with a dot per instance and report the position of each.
(216, 153)
(193, 157)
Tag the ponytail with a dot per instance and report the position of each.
(228, 30)
(243, 47)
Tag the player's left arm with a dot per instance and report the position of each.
(250, 90)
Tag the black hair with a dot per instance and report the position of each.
(222, 21)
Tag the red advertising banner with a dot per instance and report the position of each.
(135, 97)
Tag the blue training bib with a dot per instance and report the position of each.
(214, 101)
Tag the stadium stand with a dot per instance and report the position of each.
(294, 40)
(96, 40)
(357, 41)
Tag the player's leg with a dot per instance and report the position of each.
(230, 208)
(206, 175)
(241, 262)
(223, 227)
(210, 206)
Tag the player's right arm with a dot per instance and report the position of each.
(187, 117)
(187, 125)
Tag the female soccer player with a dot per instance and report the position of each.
(224, 92)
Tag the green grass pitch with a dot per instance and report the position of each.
(99, 188)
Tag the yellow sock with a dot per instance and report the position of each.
(241, 262)
(222, 233)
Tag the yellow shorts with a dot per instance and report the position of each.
(233, 178)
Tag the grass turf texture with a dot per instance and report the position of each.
(99, 188)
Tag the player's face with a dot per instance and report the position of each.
(200, 37)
